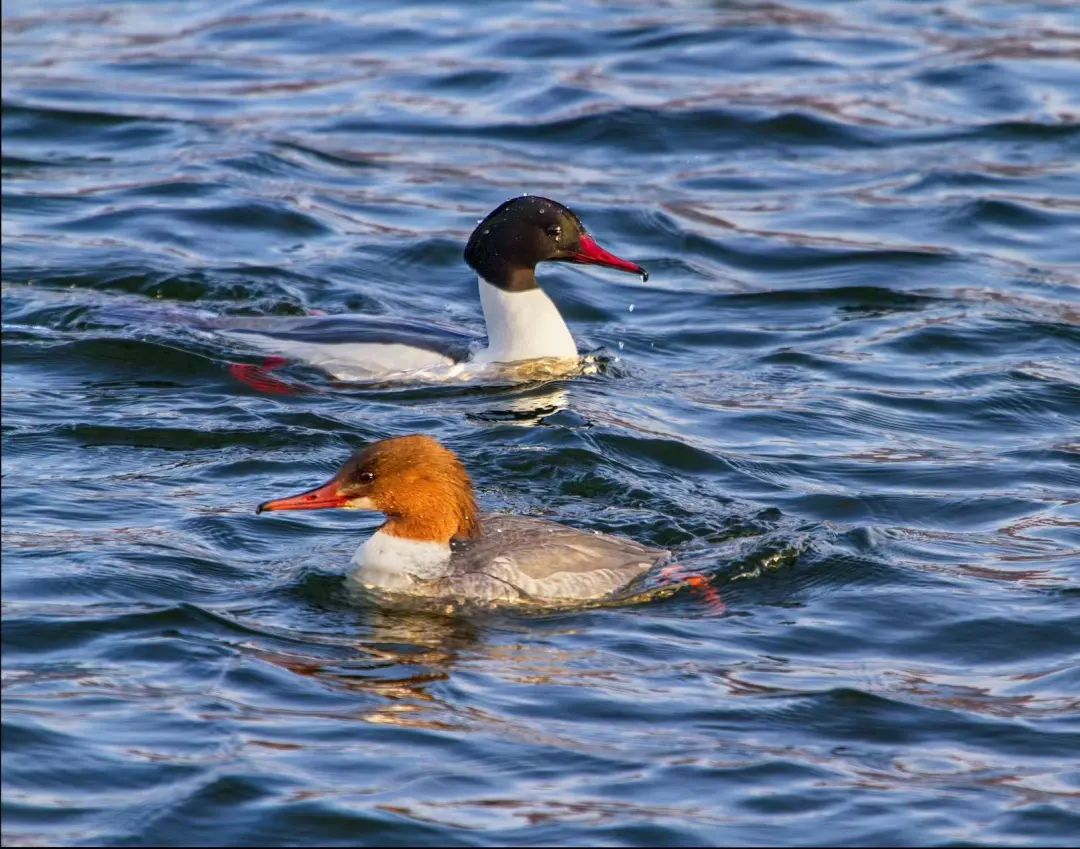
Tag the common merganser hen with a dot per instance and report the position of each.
(523, 323)
(435, 543)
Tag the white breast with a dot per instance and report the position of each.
(522, 326)
(394, 564)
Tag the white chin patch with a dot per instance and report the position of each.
(364, 503)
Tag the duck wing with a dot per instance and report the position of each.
(334, 330)
(538, 560)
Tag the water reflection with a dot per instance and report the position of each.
(401, 655)
(526, 409)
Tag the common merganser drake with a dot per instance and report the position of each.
(435, 543)
(523, 323)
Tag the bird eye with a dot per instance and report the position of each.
(555, 231)
(366, 477)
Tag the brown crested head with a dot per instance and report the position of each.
(418, 484)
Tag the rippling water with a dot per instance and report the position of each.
(850, 393)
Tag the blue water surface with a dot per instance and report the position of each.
(849, 394)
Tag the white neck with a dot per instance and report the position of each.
(394, 563)
(522, 326)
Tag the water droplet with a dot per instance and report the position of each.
(644, 276)
(620, 346)
(630, 308)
